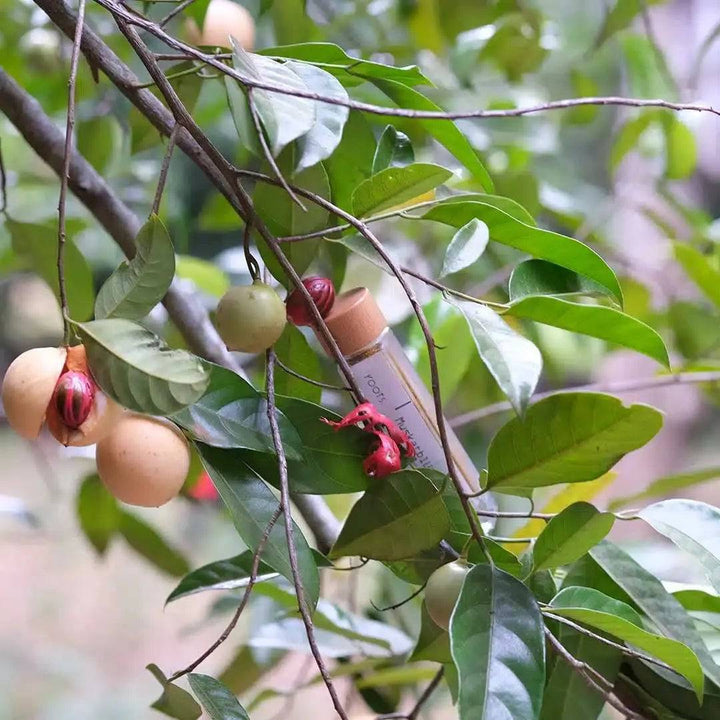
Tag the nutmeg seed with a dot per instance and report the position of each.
(73, 398)
(322, 292)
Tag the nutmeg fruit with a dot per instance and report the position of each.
(322, 292)
(144, 461)
(224, 18)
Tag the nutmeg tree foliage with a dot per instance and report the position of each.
(214, 144)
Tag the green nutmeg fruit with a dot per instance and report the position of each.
(443, 590)
(250, 318)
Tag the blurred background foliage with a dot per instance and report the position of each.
(630, 182)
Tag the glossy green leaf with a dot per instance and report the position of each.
(37, 246)
(694, 527)
(349, 70)
(444, 131)
(174, 701)
(569, 535)
(242, 118)
(539, 277)
(396, 185)
(647, 592)
(396, 517)
(597, 321)
(433, 643)
(324, 136)
(146, 541)
(700, 269)
(293, 350)
(543, 244)
(221, 575)
(666, 485)
(497, 643)
(467, 245)
(506, 204)
(251, 505)
(134, 289)
(512, 360)
(569, 437)
(698, 600)
(218, 701)
(132, 366)
(600, 612)
(680, 149)
(98, 513)
(394, 149)
(284, 117)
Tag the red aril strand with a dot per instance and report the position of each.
(384, 458)
(73, 398)
(322, 292)
(367, 416)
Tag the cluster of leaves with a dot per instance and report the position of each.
(617, 623)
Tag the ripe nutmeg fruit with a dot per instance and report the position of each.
(54, 385)
(322, 292)
(443, 590)
(224, 18)
(250, 318)
(144, 461)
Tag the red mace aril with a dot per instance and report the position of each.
(322, 292)
(203, 489)
(73, 398)
(372, 420)
(384, 458)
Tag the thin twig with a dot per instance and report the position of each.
(402, 602)
(254, 568)
(304, 378)
(517, 515)
(619, 386)
(266, 150)
(290, 535)
(174, 12)
(250, 261)
(164, 171)
(629, 652)
(151, 27)
(592, 678)
(62, 202)
(3, 183)
(417, 708)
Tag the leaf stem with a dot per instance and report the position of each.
(164, 171)
(3, 184)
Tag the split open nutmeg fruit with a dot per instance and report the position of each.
(54, 386)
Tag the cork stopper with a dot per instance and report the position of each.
(355, 320)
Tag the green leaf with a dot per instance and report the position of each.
(146, 541)
(221, 575)
(284, 117)
(593, 608)
(396, 517)
(667, 484)
(680, 149)
(37, 245)
(242, 118)
(331, 461)
(98, 513)
(619, 17)
(433, 642)
(218, 701)
(497, 643)
(693, 526)
(284, 216)
(647, 592)
(349, 70)
(251, 505)
(506, 204)
(646, 71)
(583, 86)
(544, 244)
(569, 437)
(467, 245)
(444, 131)
(396, 185)
(99, 141)
(324, 136)
(138, 285)
(133, 366)
(394, 149)
(174, 701)
(232, 414)
(700, 270)
(539, 277)
(698, 600)
(629, 136)
(294, 351)
(208, 278)
(512, 360)
(569, 535)
(597, 321)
